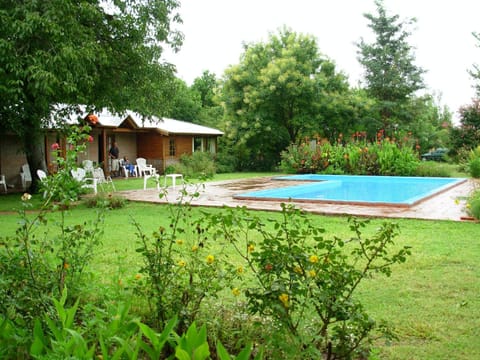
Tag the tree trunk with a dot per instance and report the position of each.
(35, 152)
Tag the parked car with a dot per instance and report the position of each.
(436, 155)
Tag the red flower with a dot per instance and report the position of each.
(55, 146)
(93, 119)
(90, 138)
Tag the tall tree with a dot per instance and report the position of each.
(391, 76)
(271, 98)
(467, 135)
(475, 72)
(99, 53)
(205, 86)
(186, 103)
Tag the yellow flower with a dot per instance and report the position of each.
(138, 276)
(457, 201)
(26, 197)
(468, 206)
(179, 242)
(181, 263)
(284, 299)
(210, 259)
(250, 248)
(312, 273)
(235, 291)
(313, 259)
(298, 269)
(194, 248)
(240, 269)
(66, 266)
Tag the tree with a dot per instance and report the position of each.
(467, 135)
(186, 103)
(475, 72)
(272, 97)
(102, 54)
(205, 86)
(390, 73)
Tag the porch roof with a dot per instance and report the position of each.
(163, 125)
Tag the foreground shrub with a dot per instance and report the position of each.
(180, 269)
(61, 187)
(305, 284)
(120, 336)
(44, 258)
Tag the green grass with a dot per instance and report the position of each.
(432, 300)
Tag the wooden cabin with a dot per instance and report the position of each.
(161, 141)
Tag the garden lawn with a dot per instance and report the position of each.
(431, 301)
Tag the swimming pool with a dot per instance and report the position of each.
(357, 189)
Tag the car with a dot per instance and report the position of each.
(436, 155)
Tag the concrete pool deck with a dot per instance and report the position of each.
(448, 205)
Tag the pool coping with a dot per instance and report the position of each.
(448, 205)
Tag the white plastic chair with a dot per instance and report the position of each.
(147, 171)
(26, 176)
(42, 175)
(3, 182)
(99, 176)
(88, 166)
(126, 171)
(80, 175)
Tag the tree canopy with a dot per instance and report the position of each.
(391, 76)
(273, 96)
(102, 54)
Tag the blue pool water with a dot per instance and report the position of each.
(390, 190)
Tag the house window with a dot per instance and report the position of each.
(172, 147)
(211, 145)
(197, 144)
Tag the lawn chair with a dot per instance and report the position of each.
(147, 171)
(99, 176)
(26, 176)
(42, 175)
(128, 169)
(3, 182)
(80, 175)
(88, 166)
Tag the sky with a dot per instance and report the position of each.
(215, 31)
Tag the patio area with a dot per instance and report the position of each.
(448, 205)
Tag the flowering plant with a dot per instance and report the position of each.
(297, 271)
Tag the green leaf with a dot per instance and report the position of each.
(202, 352)
(38, 339)
(222, 352)
(245, 353)
(181, 354)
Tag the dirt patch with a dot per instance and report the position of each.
(260, 184)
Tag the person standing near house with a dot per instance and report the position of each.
(113, 154)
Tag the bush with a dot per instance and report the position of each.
(433, 168)
(39, 262)
(197, 165)
(297, 271)
(360, 158)
(473, 205)
(305, 158)
(105, 201)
